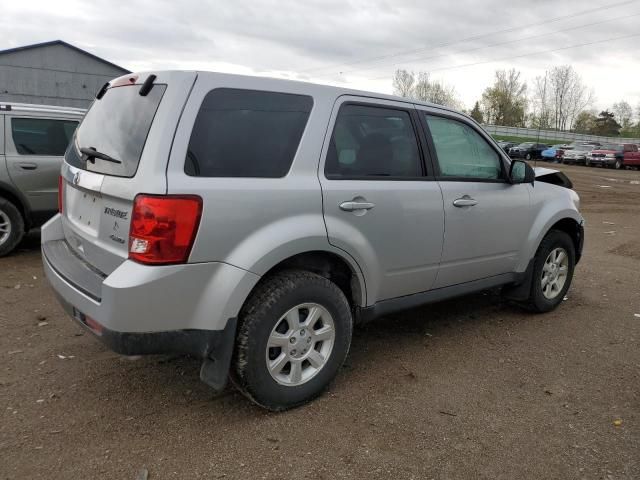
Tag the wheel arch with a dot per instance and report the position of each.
(344, 272)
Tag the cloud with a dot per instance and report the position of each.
(351, 42)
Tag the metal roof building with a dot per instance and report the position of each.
(53, 73)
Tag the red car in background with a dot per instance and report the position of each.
(615, 156)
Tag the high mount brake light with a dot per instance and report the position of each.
(163, 228)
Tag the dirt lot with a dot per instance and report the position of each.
(469, 388)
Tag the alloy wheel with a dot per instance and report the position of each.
(5, 227)
(554, 273)
(300, 344)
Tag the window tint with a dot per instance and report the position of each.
(41, 136)
(246, 133)
(373, 142)
(461, 151)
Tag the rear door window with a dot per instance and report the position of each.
(246, 133)
(373, 143)
(116, 125)
(42, 136)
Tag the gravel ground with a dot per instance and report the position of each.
(471, 388)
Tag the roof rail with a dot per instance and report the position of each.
(30, 107)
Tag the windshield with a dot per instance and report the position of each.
(611, 146)
(526, 145)
(116, 125)
(586, 148)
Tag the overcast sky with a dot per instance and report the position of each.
(350, 42)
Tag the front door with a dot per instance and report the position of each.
(34, 149)
(487, 219)
(380, 204)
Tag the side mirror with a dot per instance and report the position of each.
(521, 172)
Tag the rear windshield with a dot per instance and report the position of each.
(116, 125)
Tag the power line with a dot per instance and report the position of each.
(474, 37)
(463, 65)
(506, 42)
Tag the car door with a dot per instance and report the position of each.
(381, 204)
(487, 219)
(34, 149)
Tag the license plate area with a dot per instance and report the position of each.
(83, 209)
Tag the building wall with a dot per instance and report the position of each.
(52, 75)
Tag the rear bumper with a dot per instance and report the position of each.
(140, 309)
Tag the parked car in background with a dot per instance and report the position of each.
(528, 150)
(505, 145)
(578, 154)
(615, 156)
(555, 152)
(33, 139)
(252, 221)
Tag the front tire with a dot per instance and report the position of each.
(11, 227)
(294, 335)
(527, 156)
(618, 164)
(553, 268)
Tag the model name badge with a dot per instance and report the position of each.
(114, 212)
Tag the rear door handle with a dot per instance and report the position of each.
(464, 201)
(353, 206)
(28, 166)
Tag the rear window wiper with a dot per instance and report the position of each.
(91, 154)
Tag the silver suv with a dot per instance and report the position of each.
(33, 139)
(252, 221)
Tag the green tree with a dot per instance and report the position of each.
(505, 102)
(606, 125)
(476, 114)
(585, 122)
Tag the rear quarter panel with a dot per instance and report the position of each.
(255, 223)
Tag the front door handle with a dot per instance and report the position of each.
(464, 201)
(353, 206)
(28, 165)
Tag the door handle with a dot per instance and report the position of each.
(28, 166)
(464, 201)
(354, 206)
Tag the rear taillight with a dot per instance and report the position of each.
(60, 194)
(163, 228)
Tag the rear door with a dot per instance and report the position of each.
(34, 150)
(381, 205)
(136, 131)
(486, 218)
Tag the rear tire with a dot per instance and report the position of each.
(294, 334)
(11, 226)
(552, 273)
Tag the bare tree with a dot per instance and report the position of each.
(541, 100)
(435, 91)
(403, 82)
(624, 113)
(421, 87)
(568, 96)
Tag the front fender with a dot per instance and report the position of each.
(550, 204)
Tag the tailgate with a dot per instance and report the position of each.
(135, 132)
